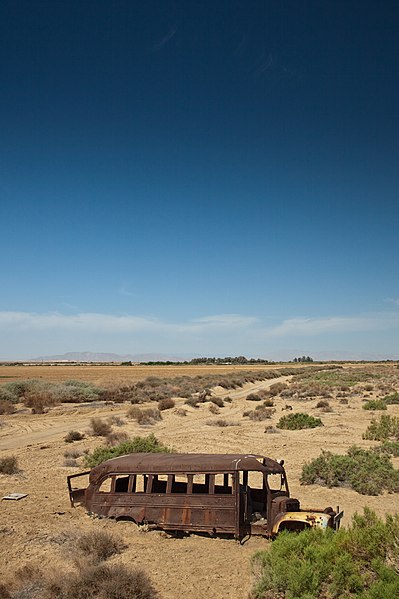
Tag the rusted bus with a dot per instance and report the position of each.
(214, 493)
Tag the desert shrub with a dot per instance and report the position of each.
(260, 413)
(76, 392)
(6, 407)
(298, 421)
(214, 409)
(144, 415)
(115, 438)
(180, 412)
(99, 427)
(268, 403)
(102, 581)
(391, 399)
(227, 399)
(116, 420)
(192, 401)
(344, 401)
(253, 397)
(390, 448)
(218, 401)
(7, 396)
(374, 404)
(72, 453)
(166, 404)
(368, 387)
(221, 422)
(365, 471)
(277, 388)
(323, 403)
(99, 545)
(70, 463)
(38, 401)
(386, 428)
(148, 444)
(271, 430)
(87, 581)
(73, 436)
(9, 465)
(359, 561)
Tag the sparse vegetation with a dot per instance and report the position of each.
(166, 404)
(73, 436)
(99, 545)
(271, 430)
(366, 471)
(374, 404)
(298, 421)
(214, 409)
(116, 437)
(360, 562)
(253, 397)
(9, 465)
(384, 429)
(222, 423)
(6, 407)
(144, 415)
(87, 581)
(260, 413)
(323, 403)
(218, 401)
(99, 427)
(180, 412)
(391, 399)
(136, 445)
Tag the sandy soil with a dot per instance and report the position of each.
(41, 527)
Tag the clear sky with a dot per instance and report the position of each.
(199, 177)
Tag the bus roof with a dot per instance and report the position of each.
(169, 463)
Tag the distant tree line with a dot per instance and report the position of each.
(303, 359)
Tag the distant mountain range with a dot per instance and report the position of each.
(154, 357)
(108, 357)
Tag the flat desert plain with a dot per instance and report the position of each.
(40, 529)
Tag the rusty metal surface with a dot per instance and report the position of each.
(170, 497)
(190, 462)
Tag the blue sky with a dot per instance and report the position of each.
(199, 178)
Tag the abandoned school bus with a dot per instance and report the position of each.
(236, 494)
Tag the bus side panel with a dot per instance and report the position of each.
(200, 512)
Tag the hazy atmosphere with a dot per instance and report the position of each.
(199, 178)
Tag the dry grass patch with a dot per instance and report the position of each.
(99, 427)
(144, 415)
(260, 413)
(73, 436)
(99, 545)
(9, 465)
(166, 404)
(222, 422)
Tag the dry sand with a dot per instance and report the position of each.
(39, 527)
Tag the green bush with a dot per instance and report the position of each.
(361, 561)
(391, 399)
(390, 448)
(364, 470)
(298, 421)
(148, 444)
(375, 404)
(386, 428)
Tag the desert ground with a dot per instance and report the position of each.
(40, 528)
